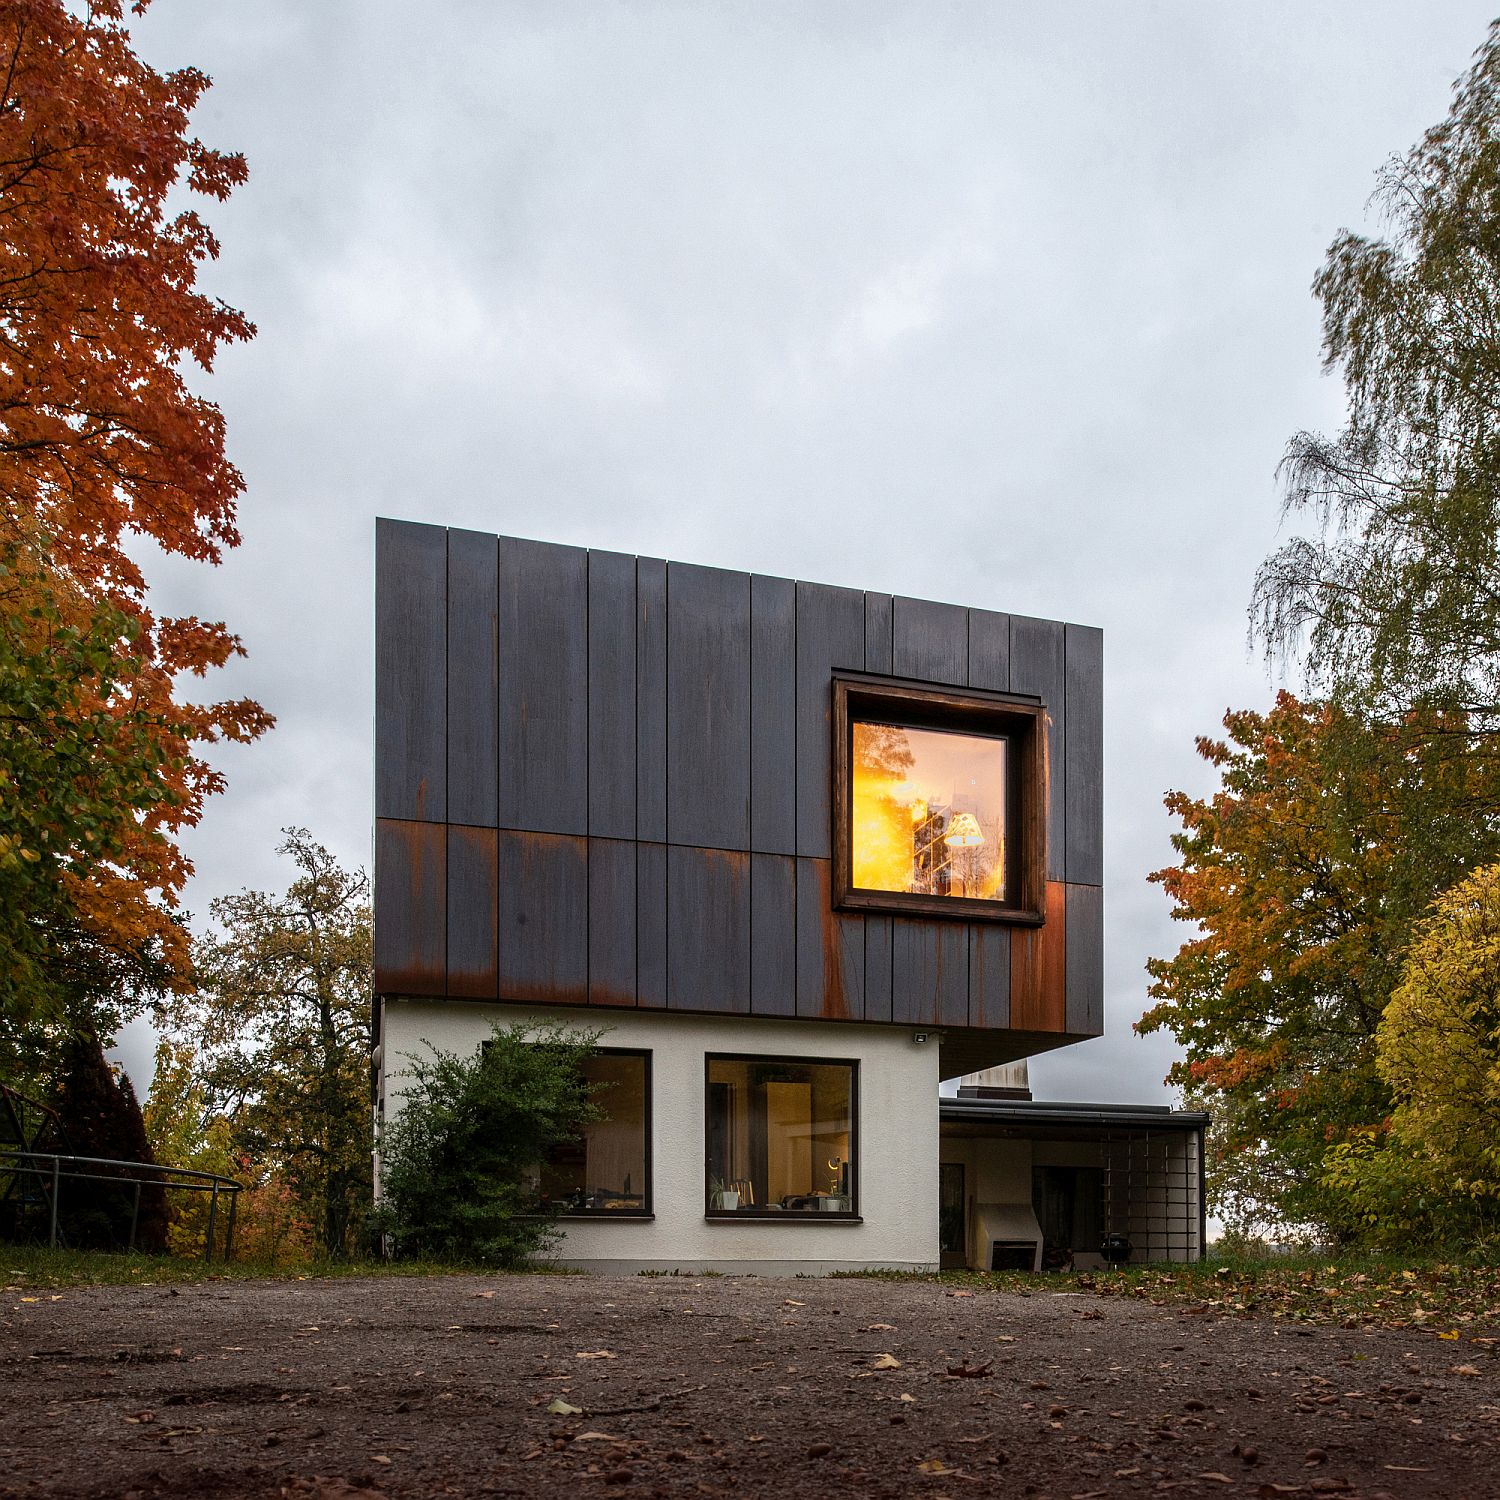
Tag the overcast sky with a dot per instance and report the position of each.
(998, 303)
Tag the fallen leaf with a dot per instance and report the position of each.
(873, 1328)
(890, 1362)
(935, 1466)
(964, 1372)
(792, 1302)
(1005, 1338)
(379, 1458)
(959, 1294)
(560, 1408)
(596, 1437)
(906, 1396)
(1464, 1370)
(594, 1354)
(150, 1416)
(1452, 1334)
(1217, 1478)
(482, 1294)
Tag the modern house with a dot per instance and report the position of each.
(802, 852)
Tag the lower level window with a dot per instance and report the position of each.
(607, 1171)
(780, 1136)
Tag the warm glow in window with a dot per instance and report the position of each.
(928, 811)
(605, 1171)
(780, 1136)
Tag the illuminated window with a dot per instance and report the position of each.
(939, 801)
(780, 1137)
(608, 1171)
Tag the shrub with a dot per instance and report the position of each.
(459, 1166)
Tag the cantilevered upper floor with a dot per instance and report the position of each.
(614, 781)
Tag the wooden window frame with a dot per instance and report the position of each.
(647, 1211)
(804, 1217)
(1022, 724)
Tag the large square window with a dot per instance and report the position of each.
(781, 1138)
(939, 803)
(608, 1170)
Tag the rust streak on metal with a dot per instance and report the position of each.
(1038, 968)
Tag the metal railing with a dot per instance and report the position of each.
(51, 1170)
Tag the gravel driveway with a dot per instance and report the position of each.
(745, 1386)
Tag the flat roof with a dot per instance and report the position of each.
(1048, 1112)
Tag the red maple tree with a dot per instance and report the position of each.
(101, 440)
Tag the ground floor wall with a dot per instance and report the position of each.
(896, 1130)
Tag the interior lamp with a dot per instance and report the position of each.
(964, 832)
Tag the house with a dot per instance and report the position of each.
(802, 852)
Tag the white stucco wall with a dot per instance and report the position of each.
(897, 1135)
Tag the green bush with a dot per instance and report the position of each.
(459, 1165)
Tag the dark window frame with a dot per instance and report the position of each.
(647, 1210)
(851, 1215)
(1021, 723)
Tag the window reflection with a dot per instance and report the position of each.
(605, 1172)
(928, 811)
(779, 1136)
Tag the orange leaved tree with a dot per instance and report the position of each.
(102, 440)
(1304, 875)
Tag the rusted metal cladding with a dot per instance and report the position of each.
(606, 781)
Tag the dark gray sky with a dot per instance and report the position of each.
(993, 302)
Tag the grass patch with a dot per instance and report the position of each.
(1457, 1298)
(27, 1266)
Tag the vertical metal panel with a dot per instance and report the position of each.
(1036, 667)
(410, 907)
(612, 906)
(708, 707)
(1085, 982)
(830, 949)
(1038, 968)
(544, 918)
(989, 974)
(708, 930)
(989, 650)
(611, 632)
(651, 699)
(1083, 773)
(651, 924)
(411, 656)
(929, 972)
(877, 632)
(472, 913)
(544, 706)
(773, 715)
(830, 636)
(472, 727)
(930, 641)
(877, 968)
(773, 935)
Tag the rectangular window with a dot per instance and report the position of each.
(939, 801)
(608, 1171)
(781, 1137)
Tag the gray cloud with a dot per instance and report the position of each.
(1001, 304)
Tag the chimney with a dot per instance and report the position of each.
(1008, 1081)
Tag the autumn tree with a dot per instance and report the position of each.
(1432, 1171)
(102, 440)
(1304, 874)
(1395, 597)
(281, 1025)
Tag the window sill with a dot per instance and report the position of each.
(605, 1213)
(734, 1216)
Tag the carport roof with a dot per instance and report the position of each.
(1042, 1112)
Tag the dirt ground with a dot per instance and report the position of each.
(745, 1386)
